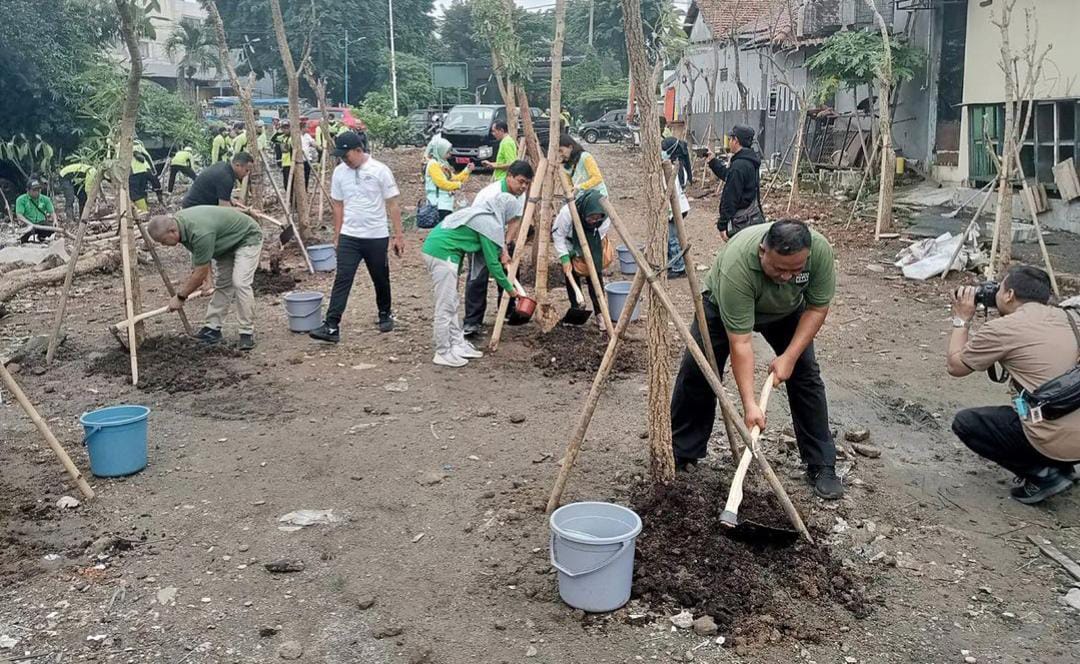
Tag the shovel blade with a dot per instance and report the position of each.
(575, 316)
(286, 235)
(758, 533)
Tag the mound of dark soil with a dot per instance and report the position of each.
(176, 364)
(274, 283)
(569, 349)
(687, 559)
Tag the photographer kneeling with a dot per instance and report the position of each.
(1035, 343)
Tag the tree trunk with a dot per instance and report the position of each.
(122, 170)
(547, 316)
(244, 93)
(292, 75)
(796, 161)
(1001, 251)
(532, 143)
(888, 155)
(662, 461)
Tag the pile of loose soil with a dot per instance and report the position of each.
(569, 349)
(175, 364)
(687, 560)
(274, 283)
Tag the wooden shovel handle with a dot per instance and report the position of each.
(577, 291)
(730, 515)
(150, 314)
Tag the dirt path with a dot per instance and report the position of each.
(440, 477)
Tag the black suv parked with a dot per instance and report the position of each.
(611, 125)
(468, 128)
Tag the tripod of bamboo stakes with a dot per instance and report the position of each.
(707, 365)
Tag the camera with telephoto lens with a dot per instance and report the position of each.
(986, 294)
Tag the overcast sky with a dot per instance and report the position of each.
(545, 4)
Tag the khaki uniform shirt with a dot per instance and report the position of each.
(1035, 344)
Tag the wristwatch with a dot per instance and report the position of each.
(960, 322)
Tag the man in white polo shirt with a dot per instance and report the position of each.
(363, 197)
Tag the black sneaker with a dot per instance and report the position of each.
(1042, 485)
(684, 464)
(208, 335)
(386, 322)
(326, 333)
(247, 342)
(471, 330)
(825, 482)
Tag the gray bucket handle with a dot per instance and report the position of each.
(623, 546)
(318, 307)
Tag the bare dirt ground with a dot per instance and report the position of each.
(439, 478)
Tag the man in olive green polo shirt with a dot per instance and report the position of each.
(231, 242)
(776, 279)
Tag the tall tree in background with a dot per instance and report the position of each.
(292, 74)
(191, 44)
(888, 154)
(661, 457)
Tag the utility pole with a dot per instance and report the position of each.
(346, 66)
(592, 8)
(393, 59)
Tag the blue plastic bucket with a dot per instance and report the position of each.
(116, 439)
(617, 292)
(304, 309)
(323, 257)
(592, 548)
(627, 264)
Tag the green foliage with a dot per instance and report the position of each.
(852, 58)
(413, 82)
(28, 155)
(495, 27)
(384, 129)
(191, 45)
(663, 31)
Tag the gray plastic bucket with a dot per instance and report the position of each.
(304, 309)
(323, 257)
(592, 547)
(617, 293)
(627, 264)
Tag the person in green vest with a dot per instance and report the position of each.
(226, 241)
(240, 140)
(282, 142)
(219, 147)
(182, 162)
(141, 179)
(581, 166)
(507, 153)
(480, 228)
(34, 209)
(75, 181)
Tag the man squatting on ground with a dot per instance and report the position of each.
(1034, 343)
(363, 196)
(777, 279)
(231, 242)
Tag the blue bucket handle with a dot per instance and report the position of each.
(623, 546)
(91, 429)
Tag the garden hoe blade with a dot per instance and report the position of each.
(576, 316)
(287, 234)
(753, 532)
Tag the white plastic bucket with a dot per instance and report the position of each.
(592, 548)
(617, 294)
(304, 309)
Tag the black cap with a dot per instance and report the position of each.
(349, 140)
(744, 134)
(34, 184)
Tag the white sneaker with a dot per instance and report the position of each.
(449, 360)
(467, 351)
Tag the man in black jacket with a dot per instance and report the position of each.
(740, 203)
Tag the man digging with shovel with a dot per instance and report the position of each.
(776, 279)
(231, 242)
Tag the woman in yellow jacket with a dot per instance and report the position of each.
(581, 166)
(440, 182)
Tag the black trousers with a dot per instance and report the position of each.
(592, 291)
(476, 290)
(175, 170)
(350, 252)
(996, 433)
(693, 404)
(73, 191)
(38, 235)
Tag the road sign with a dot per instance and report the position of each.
(454, 75)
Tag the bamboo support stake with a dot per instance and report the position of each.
(129, 303)
(967, 232)
(288, 212)
(1029, 198)
(726, 406)
(586, 252)
(57, 448)
(69, 278)
(535, 190)
(574, 446)
(149, 242)
(699, 300)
